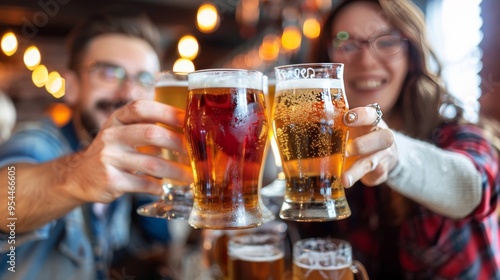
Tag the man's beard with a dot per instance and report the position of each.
(90, 124)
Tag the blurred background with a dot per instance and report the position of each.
(251, 34)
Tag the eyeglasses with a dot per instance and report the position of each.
(383, 45)
(114, 75)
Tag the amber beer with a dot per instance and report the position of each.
(256, 257)
(311, 138)
(271, 90)
(172, 90)
(226, 129)
(304, 270)
(325, 259)
(172, 93)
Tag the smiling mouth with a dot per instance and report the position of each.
(368, 84)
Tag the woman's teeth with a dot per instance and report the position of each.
(368, 84)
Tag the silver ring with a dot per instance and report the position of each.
(379, 113)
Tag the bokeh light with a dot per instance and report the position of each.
(207, 18)
(183, 65)
(9, 43)
(32, 57)
(59, 113)
(311, 28)
(54, 82)
(40, 75)
(188, 47)
(291, 38)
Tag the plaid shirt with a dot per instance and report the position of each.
(426, 245)
(458, 249)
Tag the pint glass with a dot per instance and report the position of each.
(226, 129)
(256, 256)
(177, 198)
(308, 109)
(325, 259)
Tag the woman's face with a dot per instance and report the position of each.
(369, 77)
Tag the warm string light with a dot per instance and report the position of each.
(207, 18)
(40, 76)
(188, 47)
(311, 28)
(188, 50)
(183, 65)
(32, 57)
(291, 38)
(207, 21)
(270, 48)
(298, 23)
(9, 43)
(59, 113)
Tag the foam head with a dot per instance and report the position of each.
(309, 83)
(171, 83)
(225, 78)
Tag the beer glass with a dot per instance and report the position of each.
(276, 189)
(325, 259)
(256, 256)
(177, 198)
(307, 120)
(267, 214)
(226, 130)
(215, 245)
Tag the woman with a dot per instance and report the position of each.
(432, 212)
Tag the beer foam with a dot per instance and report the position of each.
(172, 83)
(225, 78)
(313, 263)
(309, 83)
(257, 254)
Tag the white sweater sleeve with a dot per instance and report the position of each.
(444, 182)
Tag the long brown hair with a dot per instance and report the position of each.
(423, 96)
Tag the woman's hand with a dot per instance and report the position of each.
(371, 151)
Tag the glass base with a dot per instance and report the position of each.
(315, 211)
(176, 203)
(236, 219)
(162, 209)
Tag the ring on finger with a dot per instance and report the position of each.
(379, 113)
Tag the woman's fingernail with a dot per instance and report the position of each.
(349, 180)
(350, 117)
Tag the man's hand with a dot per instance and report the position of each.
(112, 164)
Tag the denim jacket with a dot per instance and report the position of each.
(74, 246)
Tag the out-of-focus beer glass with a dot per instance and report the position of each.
(177, 198)
(276, 189)
(267, 214)
(215, 246)
(325, 259)
(256, 256)
(226, 130)
(309, 106)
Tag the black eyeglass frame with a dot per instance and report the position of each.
(368, 42)
(145, 79)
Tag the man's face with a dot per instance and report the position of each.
(115, 69)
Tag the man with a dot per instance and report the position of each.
(71, 186)
(7, 116)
